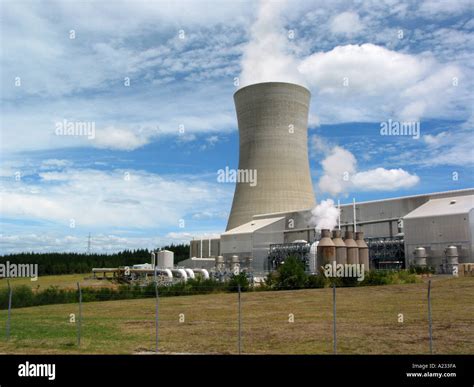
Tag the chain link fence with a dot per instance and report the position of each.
(391, 319)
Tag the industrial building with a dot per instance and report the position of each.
(272, 119)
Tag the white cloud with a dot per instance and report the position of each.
(210, 215)
(452, 147)
(186, 237)
(111, 198)
(338, 167)
(340, 175)
(318, 145)
(55, 163)
(100, 243)
(437, 140)
(210, 142)
(122, 139)
(381, 179)
(441, 8)
(356, 82)
(346, 23)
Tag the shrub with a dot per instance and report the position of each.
(317, 281)
(22, 296)
(236, 280)
(421, 269)
(386, 277)
(291, 274)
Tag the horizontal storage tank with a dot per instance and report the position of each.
(165, 259)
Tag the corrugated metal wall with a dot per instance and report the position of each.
(436, 233)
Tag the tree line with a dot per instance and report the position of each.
(70, 263)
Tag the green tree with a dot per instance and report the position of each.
(291, 274)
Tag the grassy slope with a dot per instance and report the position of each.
(367, 322)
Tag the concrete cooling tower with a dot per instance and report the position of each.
(273, 125)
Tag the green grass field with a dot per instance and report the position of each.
(367, 322)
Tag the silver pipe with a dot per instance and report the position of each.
(354, 211)
(339, 217)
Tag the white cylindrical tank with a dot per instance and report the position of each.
(452, 260)
(220, 263)
(248, 262)
(452, 255)
(420, 256)
(165, 259)
(313, 251)
(235, 264)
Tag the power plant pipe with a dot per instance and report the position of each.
(182, 273)
(165, 271)
(204, 272)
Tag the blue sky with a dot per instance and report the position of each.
(156, 79)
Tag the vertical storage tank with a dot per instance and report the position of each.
(420, 256)
(220, 263)
(235, 264)
(363, 250)
(341, 249)
(326, 249)
(165, 259)
(352, 248)
(452, 259)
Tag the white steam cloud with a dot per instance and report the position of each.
(266, 57)
(324, 215)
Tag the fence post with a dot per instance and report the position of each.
(10, 293)
(334, 316)
(79, 321)
(429, 317)
(156, 316)
(240, 320)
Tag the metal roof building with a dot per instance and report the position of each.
(438, 224)
(429, 220)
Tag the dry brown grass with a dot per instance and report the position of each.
(367, 322)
